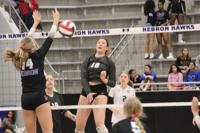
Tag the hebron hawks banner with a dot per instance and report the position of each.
(111, 32)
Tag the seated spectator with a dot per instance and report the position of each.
(147, 78)
(120, 93)
(132, 124)
(174, 76)
(192, 75)
(134, 78)
(183, 60)
(195, 112)
(26, 13)
(197, 62)
(8, 123)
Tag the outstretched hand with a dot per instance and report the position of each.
(36, 18)
(56, 16)
(195, 106)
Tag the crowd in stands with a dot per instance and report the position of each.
(161, 17)
(25, 9)
(184, 69)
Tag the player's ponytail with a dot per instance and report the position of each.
(21, 55)
(133, 108)
(139, 124)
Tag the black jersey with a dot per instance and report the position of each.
(126, 126)
(56, 100)
(32, 72)
(181, 61)
(177, 7)
(92, 67)
(161, 17)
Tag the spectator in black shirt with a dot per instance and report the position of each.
(177, 11)
(30, 62)
(149, 10)
(135, 78)
(97, 71)
(55, 100)
(132, 124)
(183, 60)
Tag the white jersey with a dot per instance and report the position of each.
(119, 96)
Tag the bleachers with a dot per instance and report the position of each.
(66, 55)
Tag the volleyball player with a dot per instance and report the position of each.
(30, 62)
(55, 100)
(120, 93)
(161, 19)
(195, 112)
(132, 124)
(97, 71)
(177, 11)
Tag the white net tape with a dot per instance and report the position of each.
(152, 105)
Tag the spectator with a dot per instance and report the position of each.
(149, 9)
(174, 76)
(147, 78)
(120, 93)
(195, 112)
(132, 124)
(197, 62)
(134, 78)
(161, 19)
(26, 13)
(183, 60)
(192, 75)
(8, 123)
(177, 11)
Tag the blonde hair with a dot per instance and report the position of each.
(21, 55)
(133, 108)
(123, 72)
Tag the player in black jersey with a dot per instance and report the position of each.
(55, 100)
(97, 71)
(177, 11)
(132, 124)
(30, 62)
(161, 19)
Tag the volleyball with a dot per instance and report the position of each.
(67, 28)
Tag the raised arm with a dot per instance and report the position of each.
(46, 45)
(36, 18)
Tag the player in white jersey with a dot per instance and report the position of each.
(120, 93)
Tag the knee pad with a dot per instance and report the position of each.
(102, 129)
(77, 131)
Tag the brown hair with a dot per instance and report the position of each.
(187, 56)
(133, 108)
(107, 42)
(19, 56)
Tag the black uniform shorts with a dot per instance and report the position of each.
(99, 89)
(31, 100)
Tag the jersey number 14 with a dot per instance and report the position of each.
(28, 64)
